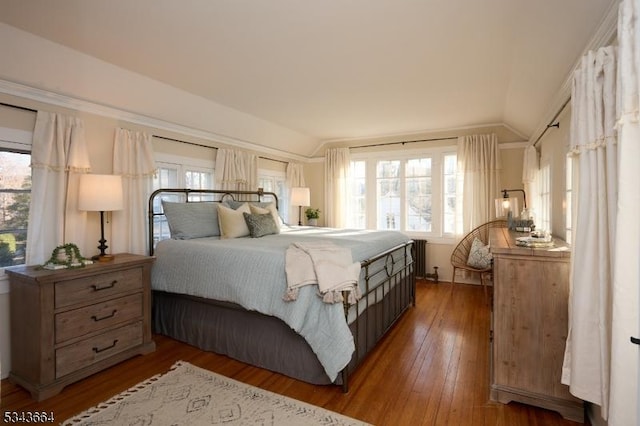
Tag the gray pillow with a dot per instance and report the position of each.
(191, 220)
(261, 224)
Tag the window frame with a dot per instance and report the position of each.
(437, 155)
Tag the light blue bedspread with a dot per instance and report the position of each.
(251, 273)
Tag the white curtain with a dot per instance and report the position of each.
(295, 179)
(587, 361)
(337, 166)
(236, 170)
(625, 357)
(58, 156)
(478, 180)
(530, 169)
(133, 160)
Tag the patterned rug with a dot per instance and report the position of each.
(188, 395)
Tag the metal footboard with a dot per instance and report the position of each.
(389, 290)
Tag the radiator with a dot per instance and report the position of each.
(420, 257)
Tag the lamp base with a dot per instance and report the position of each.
(103, 257)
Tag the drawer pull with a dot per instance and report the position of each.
(111, 315)
(113, 345)
(98, 288)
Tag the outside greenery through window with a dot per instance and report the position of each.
(15, 193)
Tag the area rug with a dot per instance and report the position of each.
(189, 395)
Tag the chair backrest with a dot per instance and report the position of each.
(460, 254)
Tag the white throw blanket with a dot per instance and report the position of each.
(325, 264)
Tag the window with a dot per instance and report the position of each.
(388, 194)
(15, 193)
(413, 193)
(276, 182)
(179, 173)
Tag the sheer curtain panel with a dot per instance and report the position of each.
(337, 167)
(587, 364)
(133, 160)
(478, 180)
(58, 156)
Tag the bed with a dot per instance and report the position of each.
(225, 292)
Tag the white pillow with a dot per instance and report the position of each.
(270, 208)
(479, 256)
(232, 223)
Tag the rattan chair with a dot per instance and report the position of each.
(461, 252)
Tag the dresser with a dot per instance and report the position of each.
(70, 323)
(529, 324)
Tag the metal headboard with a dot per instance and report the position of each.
(188, 195)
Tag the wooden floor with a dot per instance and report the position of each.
(431, 369)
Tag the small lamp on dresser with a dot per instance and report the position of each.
(100, 193)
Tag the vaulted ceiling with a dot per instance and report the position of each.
(339, 69)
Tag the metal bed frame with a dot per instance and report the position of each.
(382, 303)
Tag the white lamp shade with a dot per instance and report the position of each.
(300, 197)
(100, 193)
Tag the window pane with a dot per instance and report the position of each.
(166, 178)
(15, 194)
(356, 216)
(388, 194)
(418, 198)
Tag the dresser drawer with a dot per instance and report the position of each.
(86, 352)
(87, 289)
(92, 318)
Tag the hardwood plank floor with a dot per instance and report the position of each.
(431, 369)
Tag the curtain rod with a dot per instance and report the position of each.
(19, 107)
(404, 142)
(208, 146)
(551, 123)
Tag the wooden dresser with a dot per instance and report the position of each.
(68, 324)
(529, 324)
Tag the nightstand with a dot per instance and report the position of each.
(68, 324)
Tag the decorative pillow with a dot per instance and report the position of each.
(270, 208)
(191, 220)
(232, 223)
(479, 255)
(260, 224)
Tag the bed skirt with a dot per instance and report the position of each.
(267, 342)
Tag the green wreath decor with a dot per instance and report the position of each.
(66, 256)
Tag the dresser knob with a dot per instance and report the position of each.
(635, 340)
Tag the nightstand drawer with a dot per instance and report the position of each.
(92, 318)
(86, 352)
(87, 289)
